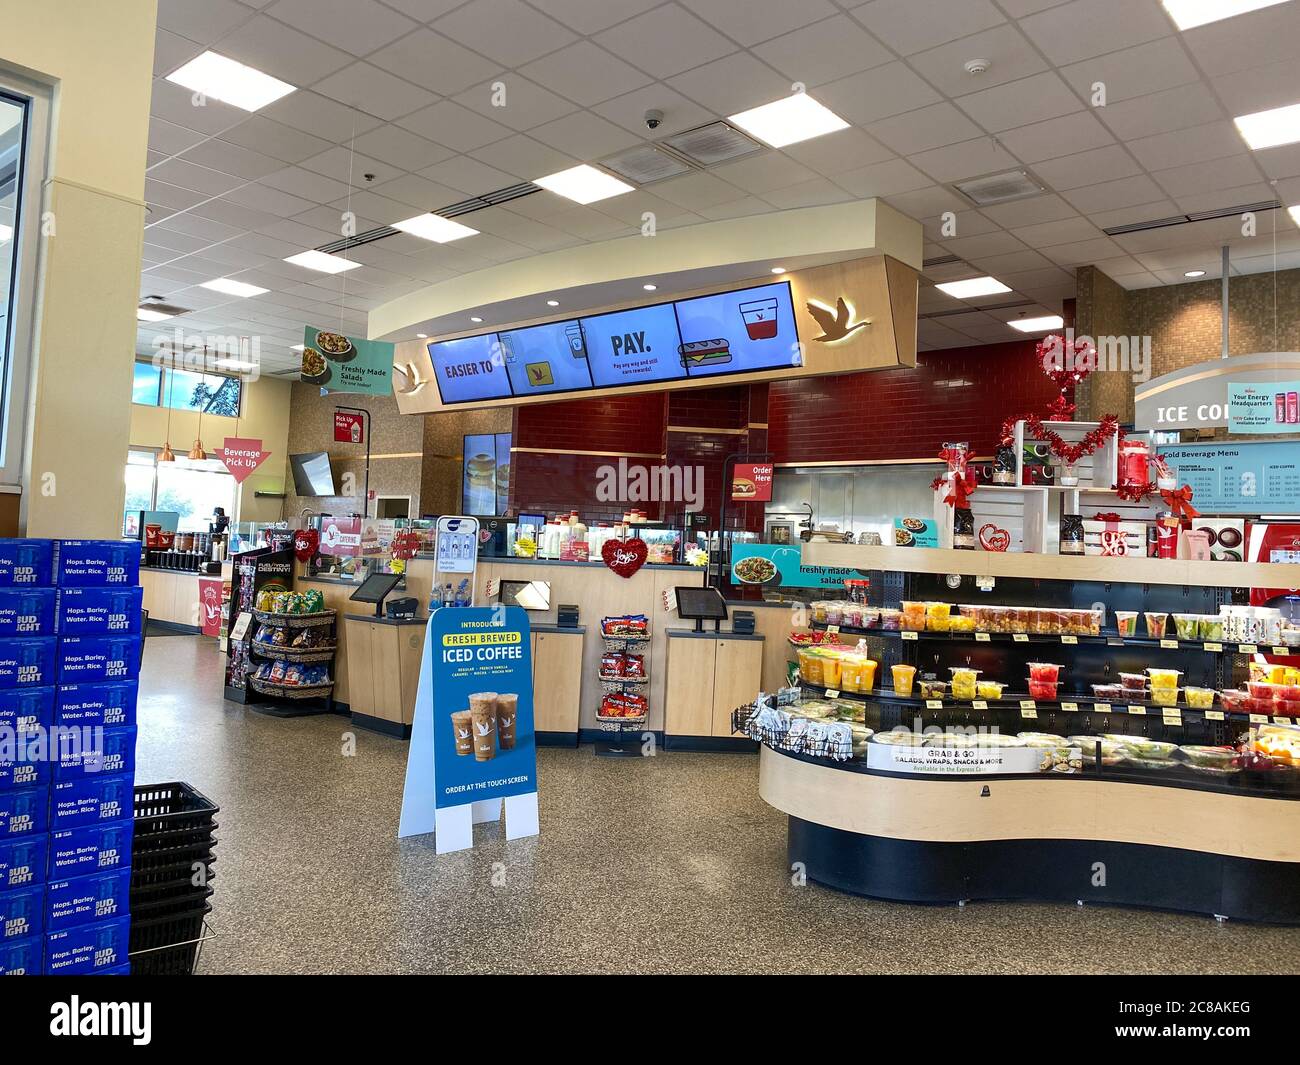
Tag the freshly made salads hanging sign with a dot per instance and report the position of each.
(339, 363)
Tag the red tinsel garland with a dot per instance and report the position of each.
(1067, 452)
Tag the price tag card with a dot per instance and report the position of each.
(832, 693)
(1172, 717)
(934, 704)
(980, 704)
(1070, 708)
(1283, 650)
(1214, 646)
(1028, 712)
(1114, 641)
(907, 634)
(1281, 721)
(1247, 648)
(981, 637)
(1169, 645)
(1214, 715)
(1027, 704)
(832, 630)
(1020, 637)
(1259, 719)
(1101, 708)
(1070, 639)
(1139, 710)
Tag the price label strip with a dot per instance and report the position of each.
(980, 704)
(1070, 708)
(934, 704)
(1211, 646)
(981, 637)
(1139, 710)
(1101, 708)
(1020, 637)
(1169, 645)
(1284, 650)
(832, 693)
(1028, 709)
(1172, 717)
(1247, 648)
(908, 634)
(1259, 719)
(1070, 639)
(1214, 715)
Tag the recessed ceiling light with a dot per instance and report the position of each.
(1294, 212)
(649, 288)
(434, 227)
(583, 184)
(422, 336)
(795, 118)
(144, 314)
(476, 319)
(972, 287)
(1194, 273)
(552, 303)
(230, 82)
(322, 261)
(5, 233)
(1189, 13)
(1267, 129)
(778, 269)
(232, 288)
(1037, 325)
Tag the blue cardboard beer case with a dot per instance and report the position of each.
(106, 705)
(22, 957)
(90, 849)
(24, 813)
(26, 563)
(83, 899)
(28, 663)
(22, 913)
(26, 710)
(92, 659)
(22, 862)
(106, 751)
(27, 611)
(27, 766)
(96, 611)
(87, 948)
(97, 563)
(92, 800)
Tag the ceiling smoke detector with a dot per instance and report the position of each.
(975, 67)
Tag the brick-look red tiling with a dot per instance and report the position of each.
(953, 394)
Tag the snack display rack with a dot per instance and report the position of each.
(315, 655)
(624, 731)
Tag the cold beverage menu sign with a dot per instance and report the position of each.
(482, 704)
(1239, 478)
(730, 332)
(1268, 407)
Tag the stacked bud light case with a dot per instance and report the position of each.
(70, 632)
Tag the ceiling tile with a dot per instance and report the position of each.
(507, 31)
(1109, 195)
(930, 127)
(742, 208)
(1280, 162)
(455, 126)
(319, 116)
(1067, 230)
(524, 158)
(274, 139)
(807, 194)
(1160, 112)
(374, 91)
(1086, 28)
(310, 186)
(264, 198)
(1142, 212)
(1028, 212)
(1067, 135)
(1011, 57)
(763, 172)
(282, 51)
(964, 160)
(665, 41)
(1012, 262)
(196, 178)
(585, 73)
(410, 190)
(848, 149)
(400, 148)
(696, 190)
(165, 194)
(177, 105)
(680, 113)
(827, 50)
(1214, 140)
(1214, 174)
(201, 20)
(515, 102)
(1146, 68)
(589, 18)
(1087, 168)
(584, 135)
(171, 51)
(386, 210)
(760, 20)
(230, 159)
(351, 168)
(732, 84)
(1259, 88)
(1018, 103)
(890, 178)
(171, 139)
(997, 243)
(1254, 39)
(332, 220)
(468, 176)
(877, 93)
(435, 62)
(909, 26)
(359, 26)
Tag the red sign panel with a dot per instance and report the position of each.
(242, 455)
(210, 589)
(349, 428)
(752, 482)
(341, 537)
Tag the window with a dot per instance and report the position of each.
(189, 489)
(147, 385)
(186, 390)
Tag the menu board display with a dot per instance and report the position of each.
(725, 333)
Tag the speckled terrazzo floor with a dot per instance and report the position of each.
(669, 864)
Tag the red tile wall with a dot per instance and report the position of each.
(953, 394)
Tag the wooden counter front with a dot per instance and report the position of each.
(171, 596)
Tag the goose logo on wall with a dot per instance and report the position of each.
(835, 326)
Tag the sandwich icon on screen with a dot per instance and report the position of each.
(539, 373)
(698, 353)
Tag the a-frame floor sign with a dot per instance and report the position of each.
(472, 738)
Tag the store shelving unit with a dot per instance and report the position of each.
(624, 732)
(294, 696)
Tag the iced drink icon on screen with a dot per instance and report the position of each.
(573, 333)
(760, 318)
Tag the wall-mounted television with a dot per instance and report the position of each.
(313, 475)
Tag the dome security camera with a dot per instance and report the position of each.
(653, 119)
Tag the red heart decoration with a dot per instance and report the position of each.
(305, 542)
(624, 557)
(994, 539)
(405, 545)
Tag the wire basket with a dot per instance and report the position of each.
(291, 691)
(294, 621)
(619, 724)
(292, 654)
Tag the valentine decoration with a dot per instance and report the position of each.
(1180, 503)
(305, 542)
(624, 557)
(993, 538)
(405, 545)
(1066, 363)
(1069, 452)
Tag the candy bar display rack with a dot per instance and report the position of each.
(295, 696)
(624, 732)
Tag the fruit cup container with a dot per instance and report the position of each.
(1133, 683)
(938, 616)
(1163, 678)
(1210, 627)
(989, 689)
(1042, 689)
(1199, 698)
(1188, 626)
(1234, 699)
(1108, 691)
(964, 682)
(913, 616)
(903, 675)
(1126, 622)
(1045, 671)
(1164, 696)
(1156, 625)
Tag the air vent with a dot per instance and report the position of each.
(149, 303)
(1199, 216)
(981, 308)
(646, 163)
(1000, 188)
(712, 144)
(941, 260)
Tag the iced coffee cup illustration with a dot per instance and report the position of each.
(760, 318)
(507, 713)
(462, 725)
(483, 718)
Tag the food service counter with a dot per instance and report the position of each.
(1067, 838)
(172, 596)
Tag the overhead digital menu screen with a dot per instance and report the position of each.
(707, 336)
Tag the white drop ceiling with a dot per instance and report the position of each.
(402, 90)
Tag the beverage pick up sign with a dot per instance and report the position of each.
(242, 455)
(472, 741)
(339, 363)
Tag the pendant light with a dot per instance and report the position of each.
(197, 454)
(166, 454)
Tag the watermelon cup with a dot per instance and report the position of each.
(1045, 671)
(1042, 689)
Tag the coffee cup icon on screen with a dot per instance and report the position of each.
(760, 318)
(577, 346)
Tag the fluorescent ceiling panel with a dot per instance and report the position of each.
(230, 82)
(795, 118)
(583, 184)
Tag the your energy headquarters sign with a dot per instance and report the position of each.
(1221, 392)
